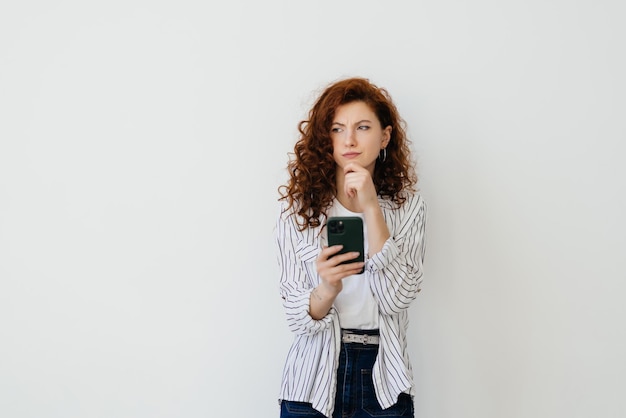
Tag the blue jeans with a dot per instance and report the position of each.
(355, 390)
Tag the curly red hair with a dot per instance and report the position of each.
(312, 187)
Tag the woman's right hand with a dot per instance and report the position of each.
(332, 272)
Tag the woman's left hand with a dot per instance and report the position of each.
(359, 185)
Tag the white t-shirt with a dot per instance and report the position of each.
(355, 303)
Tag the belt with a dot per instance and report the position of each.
(349, 337)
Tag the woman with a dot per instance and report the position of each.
(349, 355)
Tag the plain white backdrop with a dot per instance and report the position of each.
(141, 146)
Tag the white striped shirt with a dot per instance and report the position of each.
(309, 374)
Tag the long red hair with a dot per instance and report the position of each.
(312, 186)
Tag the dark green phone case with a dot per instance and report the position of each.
(347, 231)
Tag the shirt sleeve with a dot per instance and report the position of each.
(296, 260)
(397, 270)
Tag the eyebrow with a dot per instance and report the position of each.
(356, 123)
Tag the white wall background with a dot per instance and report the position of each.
(141, 145)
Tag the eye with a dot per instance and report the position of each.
(363, 127)
(335, 130)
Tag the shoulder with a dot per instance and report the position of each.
(289, 217)
(284, 211)
(413, 202)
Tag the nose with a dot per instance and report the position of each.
(350, 138)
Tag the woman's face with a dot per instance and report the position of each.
(357, 135)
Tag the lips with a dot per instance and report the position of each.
(351, 154)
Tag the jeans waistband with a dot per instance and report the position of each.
(360, 336)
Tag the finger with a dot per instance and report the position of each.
(354, 183)
(336, 260)
(350, 188)
(342, 258)
(335, 274)
(354, 178)
(336, 264)
(328, 252)
(345, 270)
(352, 168)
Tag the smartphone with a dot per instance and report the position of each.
(347, 231)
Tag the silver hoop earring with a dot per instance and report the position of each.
(382, 156)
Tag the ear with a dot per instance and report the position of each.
(386, 137)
